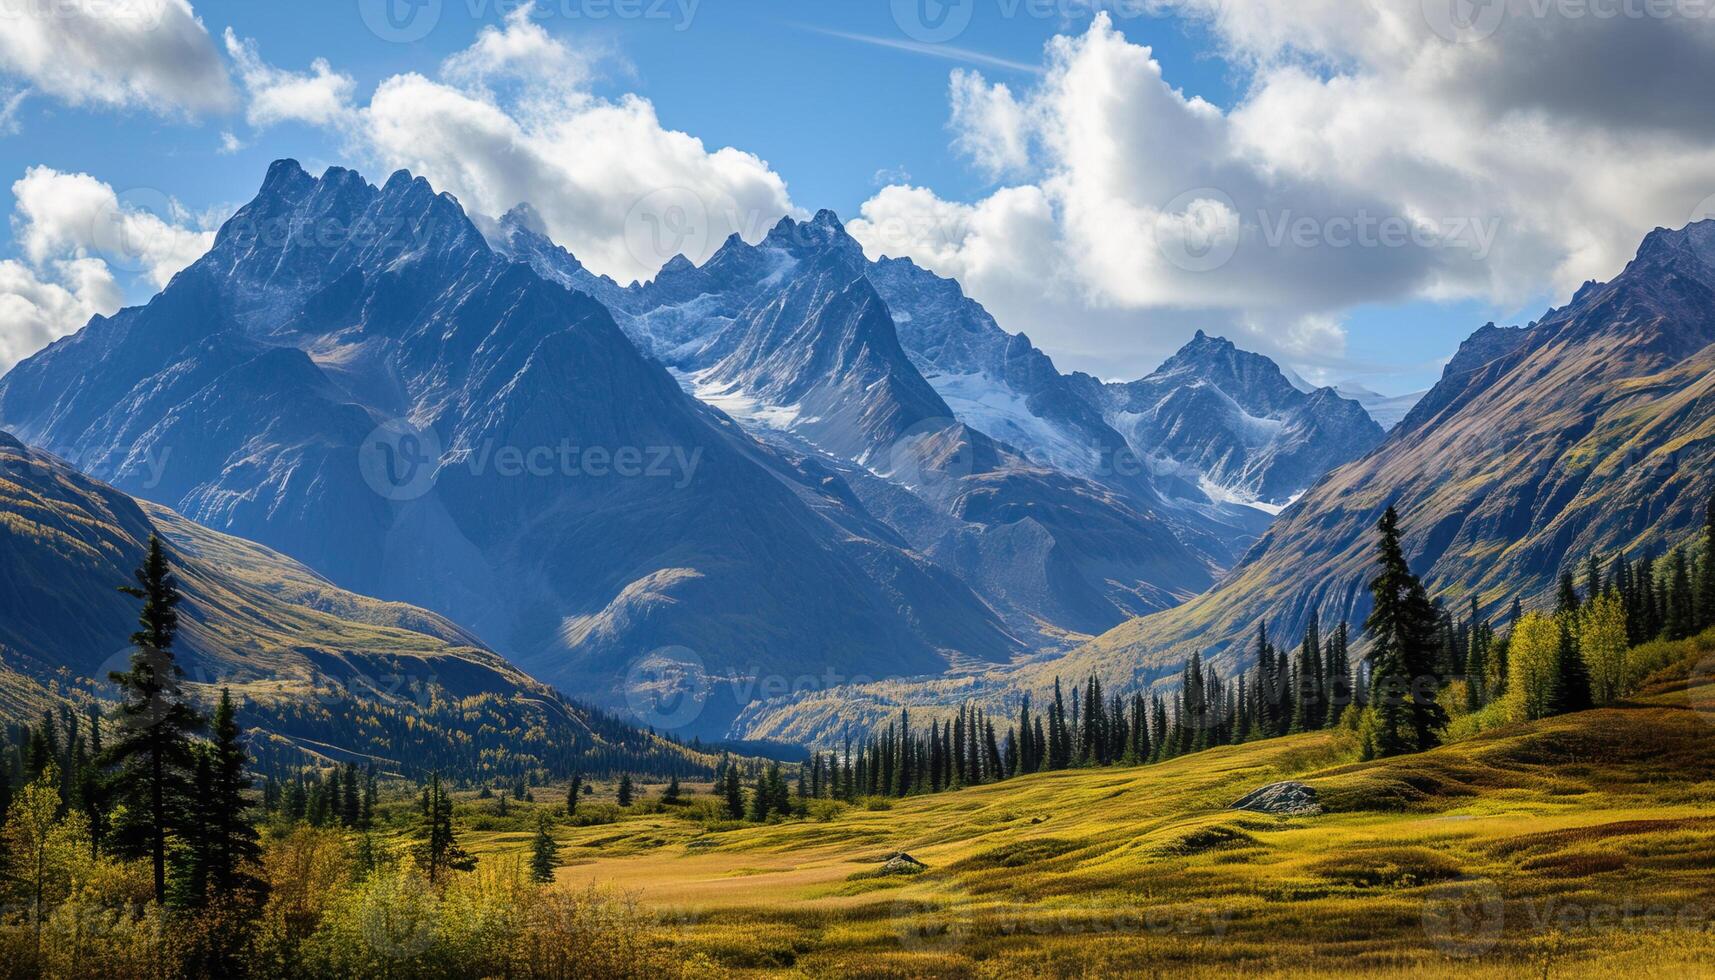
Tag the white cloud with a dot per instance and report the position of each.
(320, 97)
(229, 143)
(10, 103)
(989, 125)
(63, 215)
(77, 237)
(36, 311)
(147, 54)
(1368, 161)
(507, 121)
(521, 51)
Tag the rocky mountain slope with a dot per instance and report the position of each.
(792, 337)
(1234, 423)
(354, 377)
(1591, 430)
(319, 670)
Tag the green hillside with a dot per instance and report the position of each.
(1575, 846)
(322, 672)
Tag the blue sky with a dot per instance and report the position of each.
(840, 99)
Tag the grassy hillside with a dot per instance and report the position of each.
(323, 672)
(1576, 846)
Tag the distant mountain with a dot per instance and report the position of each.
(319, 670)
(792, 336)
(1387, 410)
(1237, 425)
(1589, 431)
(353, 376)
(996, 381)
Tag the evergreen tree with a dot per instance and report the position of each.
(439, 852)
(351, 797)
(761, 799)
(572, 793)
(1402, 625)
(1572, 684)
(626, 790)
(1706, 581)
(1476, 661)
(544, 853)
(734, 791)
(190, 860)
(671, 795)
(151, 755)
(1566, 604)
(1338, 686)
(1307, 702)
(1681, 605)
(233, 844)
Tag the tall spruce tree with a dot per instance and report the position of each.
(1402, 626)
(733, 790)
(1566, 602)
(1572, 680)
(1338, 686)
(152, 756)
(438, 852)
(234, 847)
(1681, 605)
(1307, 702)
(544, 853)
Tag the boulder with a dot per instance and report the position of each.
(903, 864)
(1286, 799)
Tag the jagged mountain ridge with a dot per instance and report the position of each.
(791, 336)
(1591, 430)
(263, 370)
(1234, 420)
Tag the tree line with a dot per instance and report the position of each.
(1422, 659)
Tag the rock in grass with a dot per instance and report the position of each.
(1287, 799)
(903, 864)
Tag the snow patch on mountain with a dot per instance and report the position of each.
(996, 410)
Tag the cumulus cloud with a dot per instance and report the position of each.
(77, 238)
(509, 121)
(319, 97)
(989, 125)
(36, 308)
(1370, 159)
(145, 54)
(62, 215)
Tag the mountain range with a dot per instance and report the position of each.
(787, 462)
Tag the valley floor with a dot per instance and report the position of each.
(1578, 846)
